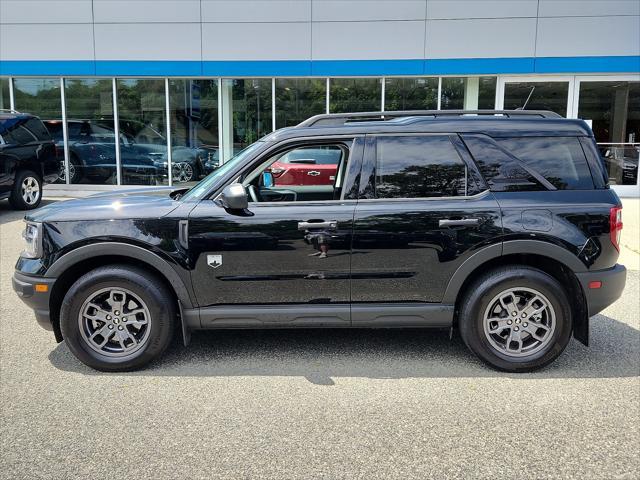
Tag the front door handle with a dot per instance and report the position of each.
(329, 225)
(458, 222)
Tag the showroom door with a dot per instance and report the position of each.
(531, 93)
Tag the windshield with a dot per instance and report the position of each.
(204, 185)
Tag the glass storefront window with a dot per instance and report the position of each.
(487, 93)
(249, 116)
(193, 109)
(469, 93)
(298, 99)
(5, 101)
(411, 94)
(542, 96)
(38, 96)
(142, 121)
(355, 95)
(41, 97)
(613, 109)
(92, 149)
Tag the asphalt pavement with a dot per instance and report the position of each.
(307, 404)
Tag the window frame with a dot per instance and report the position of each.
(351, 179)
(369, 165)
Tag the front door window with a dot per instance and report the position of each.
(304, 173)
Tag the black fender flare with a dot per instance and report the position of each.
(135, 252)
(509, 247)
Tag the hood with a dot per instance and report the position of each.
(114, 206)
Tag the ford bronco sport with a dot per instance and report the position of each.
(496, 224)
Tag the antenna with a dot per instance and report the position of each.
(528, 98)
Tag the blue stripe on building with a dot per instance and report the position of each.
(322, 68)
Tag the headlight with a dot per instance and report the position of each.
(33, 240)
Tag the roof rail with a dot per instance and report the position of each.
(10, 110)
(342, 118)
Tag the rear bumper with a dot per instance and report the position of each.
(612, 279)
(25, 287)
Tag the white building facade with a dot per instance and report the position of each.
(146, 92)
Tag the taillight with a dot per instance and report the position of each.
(277, 171)
(615, 226)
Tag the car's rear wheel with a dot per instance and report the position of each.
(75, 170)
(516, 318)
(117, 318)
(27, 191)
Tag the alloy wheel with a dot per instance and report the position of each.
(30, 190)
(62, 172)
(114, 322)
(182, 172)
(519, 321)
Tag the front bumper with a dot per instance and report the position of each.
(612, 284)
(38, 301)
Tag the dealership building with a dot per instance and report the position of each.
(162, 91)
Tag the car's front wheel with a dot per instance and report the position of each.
(516, 318)
(117, 318)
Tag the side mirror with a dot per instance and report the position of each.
(267, 179)
(234, 197)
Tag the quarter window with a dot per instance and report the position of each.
(558, 159)
(419, 167)
(503, 172)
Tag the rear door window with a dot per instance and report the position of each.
(37, 128)
(419, 166)
(558, 159)
(19, 135)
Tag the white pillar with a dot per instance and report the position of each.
(226, 117)
(116, 130)
(471, 92)
(167, 107)
(12, 98)
(65, 131)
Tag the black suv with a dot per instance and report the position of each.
(27, 159)
(499, 224)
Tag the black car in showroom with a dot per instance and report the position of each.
(499, 225)
(28, 159)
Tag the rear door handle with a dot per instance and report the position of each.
(459, 222)
(329, 225)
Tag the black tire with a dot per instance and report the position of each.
(477, 299)
(16, 199)
(76, 172)
(148, 288)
